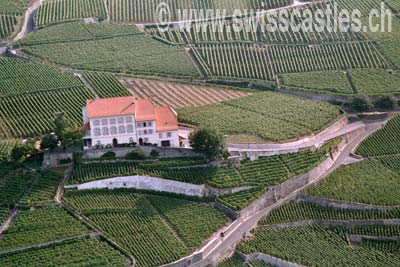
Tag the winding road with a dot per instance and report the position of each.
(29, 22)
(219, 247)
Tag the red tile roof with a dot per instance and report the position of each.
(108, 107)
(144, 110)
(85, 127)
(166, 119)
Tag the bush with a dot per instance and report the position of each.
(361, 103)
(109, 155)
(135, 155)
(65, 161)
(154, 153)
(387, 102)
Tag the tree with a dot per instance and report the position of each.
(209, 142)
(71, 137)
(387, 102)
(59, 123)
(21, 152)
(361, 103)
(49, 141)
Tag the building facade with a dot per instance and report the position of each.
(126, 120)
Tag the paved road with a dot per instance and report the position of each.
(316, 140)
(226, 245)
(29, 23)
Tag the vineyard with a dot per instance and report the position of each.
(227, 31)
(333, 82)
(43, 189)
(262, 172)
(271, 116)
(383, 142)
(39, 226)
(79, 252)
(142, 11)
(76, 31)
(240, 200)
(137, 54)
(28, 114)
(375, 82)
(181, 214)
(179, 95)
(263, 62)
(56, 11)
(5, 148)
(11, 16)
(329, 247)
(301, 211)
(105, 84)
(19, 76)
(367, 182)
(13, 184)
(159, 239)
(8, 23)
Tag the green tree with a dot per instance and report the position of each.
(209, 142)
(59, 123)
(49, 141)
(361, 103)
(387, 102)
(21, 152)
(71, 137)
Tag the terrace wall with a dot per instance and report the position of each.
(146, 183)
(343, 204)
(270, 260)
(164, 152)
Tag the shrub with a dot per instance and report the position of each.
(361, 103)
(135, 155)
(108, 155)
(154, 153)
(387, 102)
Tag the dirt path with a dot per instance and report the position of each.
(29, 23)
(60, 188)
(8, 221)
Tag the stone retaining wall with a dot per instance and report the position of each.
(338, 223)
(343, 204)
(271, 260)
(146, 183)
(164, 152)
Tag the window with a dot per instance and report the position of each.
(105, 131)
(169, 134)
(113, 121)
(120, 120)
(96, 123)
(113, 130)
(160, 135)
(128, 119)
(104, 122)
(149, 124)
(129, 129)
(98, 142)
(139, 125)
(121, 129)
(144, 124)
(150, 131)
(97, 132)
(131, 140)
(144, 131)
(146, 140)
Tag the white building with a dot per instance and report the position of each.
(124, 120)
